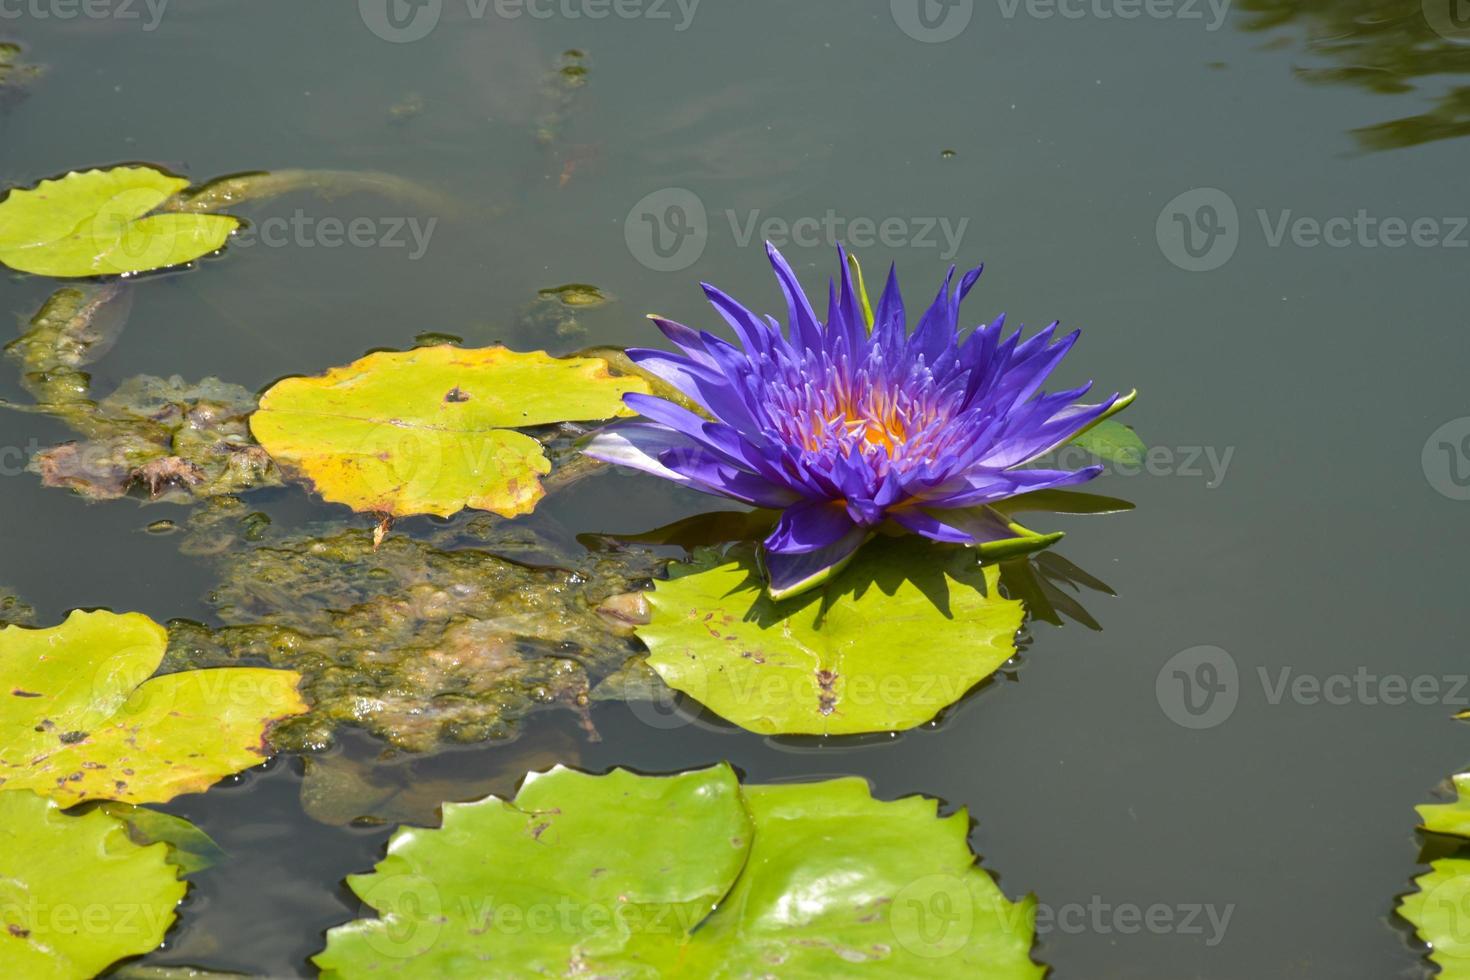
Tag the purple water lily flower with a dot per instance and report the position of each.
(851, 422)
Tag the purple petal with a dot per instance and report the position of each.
(809, 526)
(788, 575)
(803, 324)
(987, 486)
(708, 472)
(638, 445)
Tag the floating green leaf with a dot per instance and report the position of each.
(1113, 441)
(92, 223)
(1450, 818)
(841, 660)
(79, 721)
(76, 894)
(190, 848)
(431, 430)
(648, 876)
(1440, 913)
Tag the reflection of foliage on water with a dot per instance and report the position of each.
(1385, 46)
(419, 640)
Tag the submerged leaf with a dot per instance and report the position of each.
(358, 788)
(687, 875)
(15, 74)
(15, 611)
(79, 719)
(180, 441)
(223, 192)
(76, 894)
(431, 430)
(92, 223)
(555, 310)
(190, 848)
(840, 661)
(454, 637)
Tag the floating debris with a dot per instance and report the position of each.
(16, 76)
(555, 309)
(417, 642)
(406, 108)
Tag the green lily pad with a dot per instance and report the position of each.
(92, 223)
(1112, 441)
(76, 894)
(1440, 913)
(189, 848)
(79, 720)
(1450, 818)
(840, 660)
(431, 430)
(688, 875)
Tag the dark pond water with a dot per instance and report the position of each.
(1291, 515)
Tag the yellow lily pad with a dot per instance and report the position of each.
(431, 430)
(80, 720)
(97, 223)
